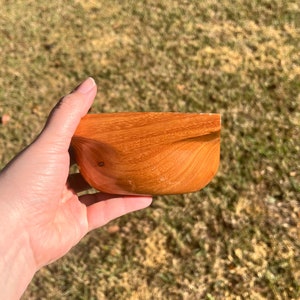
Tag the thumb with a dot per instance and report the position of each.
(65, 116)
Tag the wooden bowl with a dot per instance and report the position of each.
(148, 153)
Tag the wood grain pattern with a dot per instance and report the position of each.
(148, 153)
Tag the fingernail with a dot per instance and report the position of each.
(86, 86)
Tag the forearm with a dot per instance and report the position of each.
(17, 265)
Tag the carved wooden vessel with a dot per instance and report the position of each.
(148, 153)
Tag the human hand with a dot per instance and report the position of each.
(41, 216)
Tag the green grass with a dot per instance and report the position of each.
(239, 238)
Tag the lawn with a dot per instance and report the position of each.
(238, 238)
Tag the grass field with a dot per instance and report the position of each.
(239, 238)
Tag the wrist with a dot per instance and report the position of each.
(17, 264)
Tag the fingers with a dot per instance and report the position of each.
(102, 208)
(66, 115)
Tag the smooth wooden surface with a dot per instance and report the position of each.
(148, 153)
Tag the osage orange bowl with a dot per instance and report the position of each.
(148, 153)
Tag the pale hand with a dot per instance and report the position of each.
(41, 216)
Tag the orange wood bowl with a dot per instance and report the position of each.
(148, 153)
